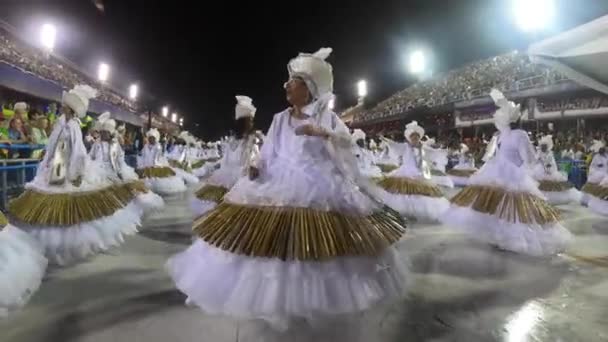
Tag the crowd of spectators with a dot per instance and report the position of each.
(40, 63)
(506, 72)
(572, 103)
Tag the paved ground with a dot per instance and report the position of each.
(462, 291)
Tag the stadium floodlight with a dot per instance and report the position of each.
(133, 90)
(174, 117)
(103, 72)
(165, 111)
(417, 62)
(181, 121)
(48, 33)
(533, 15)
(362, 88)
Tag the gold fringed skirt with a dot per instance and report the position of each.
(181, 166)
(386, 168)
(409, 186)
(212, 193)
(461, 173)
(290, 233)
(554, 186)
(593, 189)
(155, 172)
(508, 206)
(198, 164)
(39, 209)
(437, 173)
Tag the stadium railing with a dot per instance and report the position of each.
(14, 173)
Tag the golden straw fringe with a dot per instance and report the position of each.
(68, 209)
(156, 172)
(212, 193)
(437, 173)
(461, 173)
(592, 189)
(290, 233)
(554, 186)
(513, 207)
(386, 168)
(198, 164)
(408, 186)
(3, 221)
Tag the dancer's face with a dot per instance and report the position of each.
(152, 140)
(297, 92)
(361, 143)
(414, 139)
(543, 148)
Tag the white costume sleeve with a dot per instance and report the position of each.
(79, 155)
(526, 149)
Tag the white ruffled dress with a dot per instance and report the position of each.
(156, 173)
(409, 192)
(102, 172)
(553, 184)
(232, 167)
(22, 268)
(365, 161)
(95, 216)
(598, 170)
(462, 171)
(503, 206)
(279, 246)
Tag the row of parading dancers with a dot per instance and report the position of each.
(308, 226)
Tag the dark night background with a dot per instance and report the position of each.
(196, 57)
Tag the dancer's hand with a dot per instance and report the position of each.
(312, 131)
(254, 173)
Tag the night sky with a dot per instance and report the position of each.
(197, 58)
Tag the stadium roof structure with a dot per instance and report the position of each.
(581, 54)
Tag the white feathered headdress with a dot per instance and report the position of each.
(153, 132)
(105, 123)
(547, 140)
(507, 111)
(78, 99)
(314, 70)
(244, 107)
(412, 128)
(358, 134)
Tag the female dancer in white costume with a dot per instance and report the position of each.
(365, 157)
(298, 239)
(154, 169)
(502, 204)
(409, 189)
(437, 158)
(71, 214)
(465, 168)
(553, 184)
(109, 166)
(239, 153)
(22, 269)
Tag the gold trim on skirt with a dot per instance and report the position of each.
(460, 173)
(596, 190)
(387, 167)
(554, 186)
(3, 221)
(408, 186)
(290, 233)
(513, 207)
(437, 173)
(212, 193)
(182, 166)
(593, 189)
(155, 172)
(68, 209)
(198, 164)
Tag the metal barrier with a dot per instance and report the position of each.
(14, 173)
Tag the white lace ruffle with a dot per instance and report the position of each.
(261, 288)
(22, 267)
